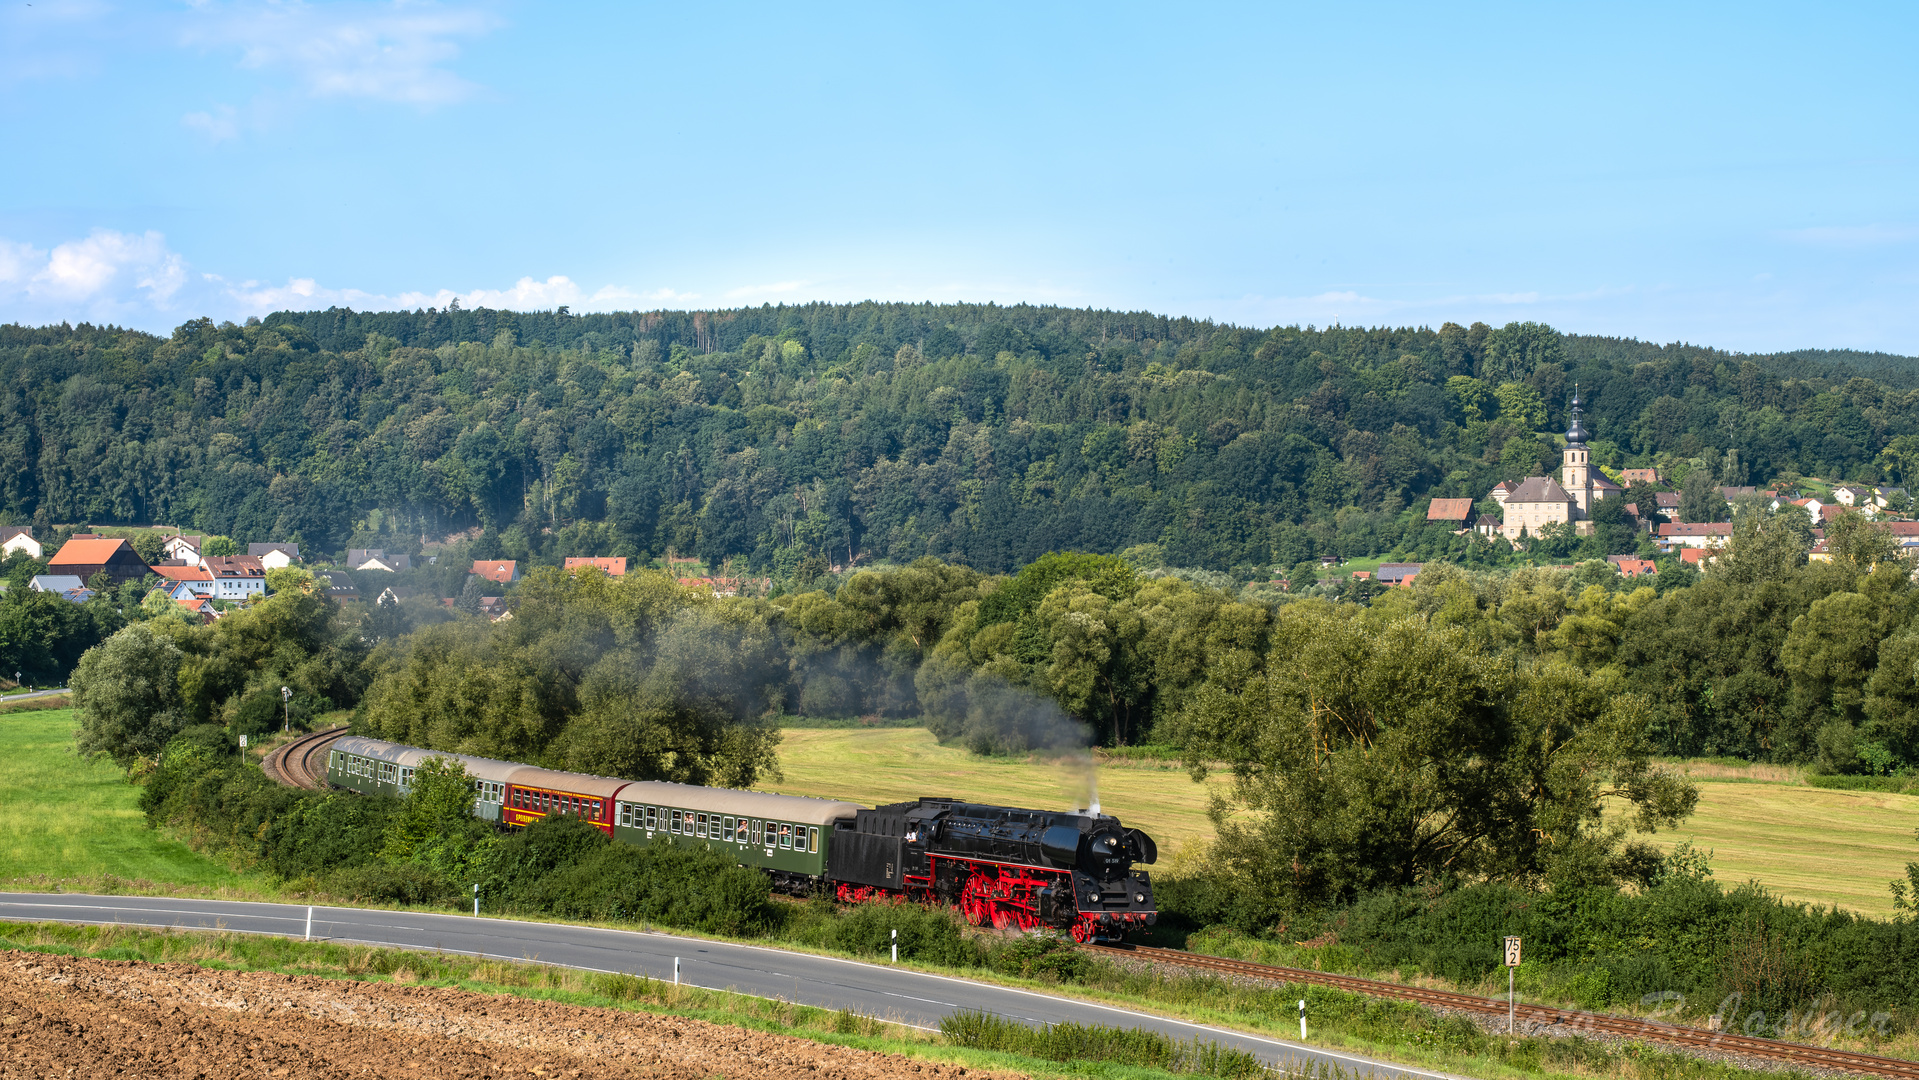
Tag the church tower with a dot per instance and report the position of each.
(1575, 474)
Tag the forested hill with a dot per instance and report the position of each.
(981, 434)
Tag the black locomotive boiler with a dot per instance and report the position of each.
(1002, 866)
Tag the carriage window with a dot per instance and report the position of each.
(673, 821)
(786, 835)
(652, 818)
(702, 827)
(759, 832)
(813, 840)
(728, 833)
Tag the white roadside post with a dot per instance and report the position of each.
(676, 971)
(896, 946)
(476, 899)
(1512, 961)
(1302, 1018)
(309, 922)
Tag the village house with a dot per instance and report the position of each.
(503, 571)
(236, 577)
(184, 549)
(611, 567)
(1455, 514)
(18, 540)
(196, 579)
(1632, 566)
(1852, 495)
(1681, 534)
(1642, 476)
(1399, 573)
(377, 559)
(66, 585)
(85, 556)
(275, 556)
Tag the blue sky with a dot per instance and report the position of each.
(1739, 175)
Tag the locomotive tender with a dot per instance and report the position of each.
(1075, 872)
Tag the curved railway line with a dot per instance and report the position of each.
(1570, 1021)
(302, 762)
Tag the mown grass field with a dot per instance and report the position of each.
(880, 765)
(65, 817)
(1804, 843)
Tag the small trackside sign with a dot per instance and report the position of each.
(1512, 952)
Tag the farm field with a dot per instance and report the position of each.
(879, 765)
(1804, 843)
(66, 817)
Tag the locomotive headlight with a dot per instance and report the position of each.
(1092, 898)
(1140, 898)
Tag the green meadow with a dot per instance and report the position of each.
(66, 818)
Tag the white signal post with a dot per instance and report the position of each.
(1512, 961)
(286, 700)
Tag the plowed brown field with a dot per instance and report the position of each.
(61, 1016)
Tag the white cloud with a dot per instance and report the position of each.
(18, 261)
(395, 52)
(105, 276)
(107, 263)
(217, 125)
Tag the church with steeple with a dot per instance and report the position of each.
(1539, 501)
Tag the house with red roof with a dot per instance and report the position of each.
(504, 571)
(611, 567)
(85, 557)
(1455, 514)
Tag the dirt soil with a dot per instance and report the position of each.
(61, 1016)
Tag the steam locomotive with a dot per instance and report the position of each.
(1076, 872)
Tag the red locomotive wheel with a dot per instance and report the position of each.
(1085, 930)
(976, 901)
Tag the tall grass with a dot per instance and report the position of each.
(1092, 1042)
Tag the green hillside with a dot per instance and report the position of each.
(766, 437)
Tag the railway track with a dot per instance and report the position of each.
(1570, 1021)
(302, 762)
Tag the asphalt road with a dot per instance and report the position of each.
(880, 990)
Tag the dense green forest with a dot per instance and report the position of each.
(980, 435)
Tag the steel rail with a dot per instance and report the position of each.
(292, 764)
(1577, 1020)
